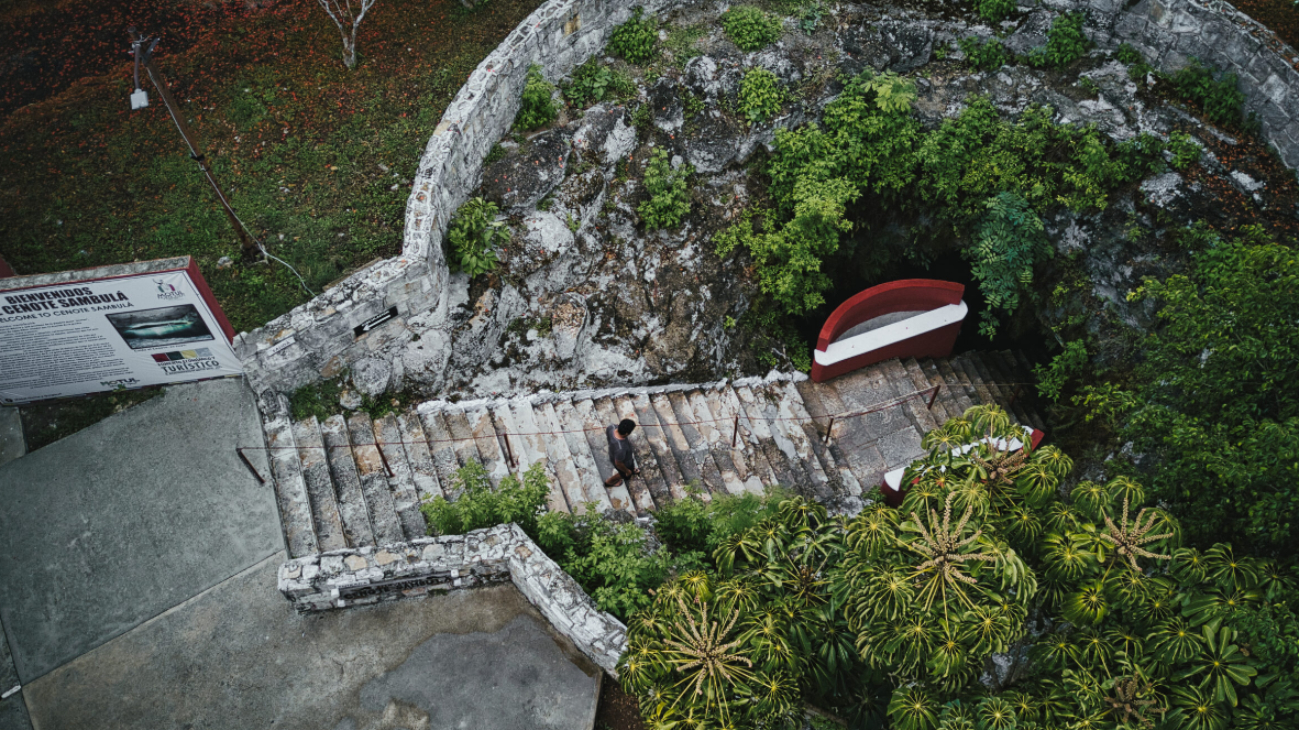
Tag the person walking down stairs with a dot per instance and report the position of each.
(621, 454)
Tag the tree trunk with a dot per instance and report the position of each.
(349, 51)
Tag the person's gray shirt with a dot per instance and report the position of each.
(620, 449)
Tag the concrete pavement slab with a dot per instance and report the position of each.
(12, 443)
(13, 714)
(125, 519)
(238, 656)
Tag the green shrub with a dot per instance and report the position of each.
(617, 568)
(473, 234)
(811, 17)
(750, 28)
(994, 11)
(479, 506)
(1184, 149)
(760, 95)
(1217, 96)
(669, 201)
(595, 82)
(1065, 42)
(1069, 364)
(693, 525)
(985, 55)
(636, 40)
(538, 107)
(1127, 55)
(681, 43)
(1010, 240)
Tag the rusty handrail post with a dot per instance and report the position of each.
(250, 466)
(1014, 396)
(735, 434)
(934, 397)
(829, 430)
(509, 453)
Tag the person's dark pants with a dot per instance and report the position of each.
(623, 473)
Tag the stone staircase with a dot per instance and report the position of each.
(353, 481)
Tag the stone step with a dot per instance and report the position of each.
(793, 418)
(1021, 388)
(961, 393)
(417, 453)
(320, 486)
(842, 481)
(755, 427)
(970, 376)
(938, 411)
(441, 448)
(866, 390)
(946, 393)
(1023, 370)
(531, 449)
(347, 483)
(290, 488)
(387, 432)
(914, 405)
(482, 429)
(574, 427)
(831, 404)
(372, 468)
(463, 443)
(711, 468)
(693, 469)
(748, 446)
(618, 497)
(651, 474)
(656, 437)
(561, 457)
(717, 439)
(606, 413)
(777, 444)
(976, 364)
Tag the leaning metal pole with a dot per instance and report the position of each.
(144, 56)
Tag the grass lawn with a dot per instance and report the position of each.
(316, 159)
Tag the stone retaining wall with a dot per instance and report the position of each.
(358, 577)
(1170, 32)
(318, 339)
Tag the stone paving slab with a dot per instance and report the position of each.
(123, 520)
(238, 656)
(13, 714)
(12, 443)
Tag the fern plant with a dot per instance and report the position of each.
(474, 234)
(1010, 241)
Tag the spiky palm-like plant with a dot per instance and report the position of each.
(1129, 540)
(946, 550)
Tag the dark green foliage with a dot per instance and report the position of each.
(1127, 55)
(636, 40)
(1065, 42)
(617, 569)
(594, 82)
(1009, 242)
(478, 505)
(1184, 149)
(495, 154)
(985, 55)
(474, 235)
(898, 612)
(1216, 95)
(538, 107)
(316, 399)
(1217, 400)
(994, 11)
(1065, 366)
(815, 173)
(750, 28)
(693, 525)
(669, 201)
(811, 17)
(760, 95)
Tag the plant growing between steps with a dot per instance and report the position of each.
(538, 108)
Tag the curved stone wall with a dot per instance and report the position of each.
(366, 313)
(1170, 32)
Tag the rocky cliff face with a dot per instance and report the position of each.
(586, 296)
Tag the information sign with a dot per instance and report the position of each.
(117, 327)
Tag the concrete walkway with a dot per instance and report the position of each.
(138, 589)
(238, 657)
